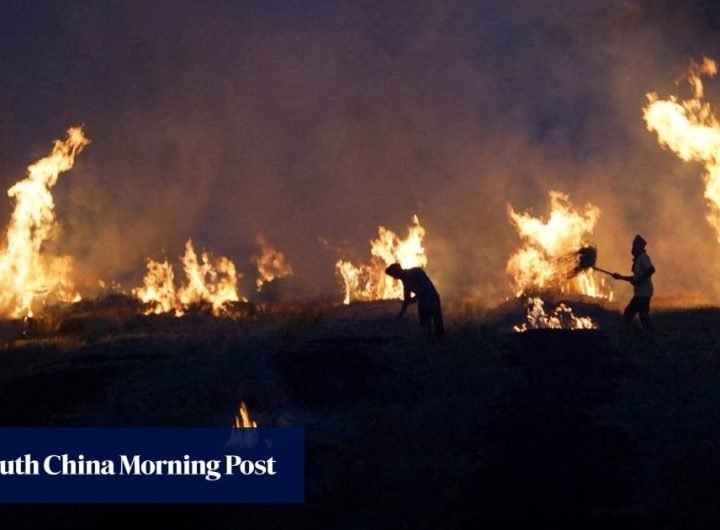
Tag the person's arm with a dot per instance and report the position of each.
(648, 271)
(407, 300)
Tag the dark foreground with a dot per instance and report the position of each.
(589, 429)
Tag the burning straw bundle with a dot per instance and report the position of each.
(581, 260)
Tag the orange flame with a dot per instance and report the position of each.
(369, 282)
(27, 274)
(691, 130)
(536, 264)
(561, 317)
(242, 418)
(271, 263)
(215, 284)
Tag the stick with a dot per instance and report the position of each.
(603, 270)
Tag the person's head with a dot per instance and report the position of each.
(394, 271)
(638, 245)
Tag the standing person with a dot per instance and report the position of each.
(416, 281)
(642, 271)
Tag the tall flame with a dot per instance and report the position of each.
(207, 282)
(271, 263)
(691, 130)
(27, 273)
(536, 264)
(369, 282)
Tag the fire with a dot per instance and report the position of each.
(244, 432)
(537, 264)
(27, 272)
(206, 282)
(242, 418)
(271, 263)
(691, 130)
(158, 289)
(561, 317)
(369, 282)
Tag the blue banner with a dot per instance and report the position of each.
(151, 465)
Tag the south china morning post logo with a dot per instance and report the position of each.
(152, 465)
(136, 465)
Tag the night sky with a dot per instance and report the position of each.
(310, 120)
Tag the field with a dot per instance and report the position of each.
(607, 428)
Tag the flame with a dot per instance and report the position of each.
(691, 130)
(158, 291)
(111, 286)
(215, 284)
(561, 317)
(243, 432)
(369, 282)
(271, 263)
(536, 265)
(242, 418)
(27, 273)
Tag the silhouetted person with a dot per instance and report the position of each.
(642, 271)
(416, 281)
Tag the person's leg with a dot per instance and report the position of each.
(438, 320)
(644, 311)
(631, 310)
(425, 314)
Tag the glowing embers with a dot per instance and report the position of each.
(29, 273)
(561, 317)
(369, 282)
(207, 282)
(691, 130)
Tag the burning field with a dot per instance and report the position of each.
(546, 404)
(210, 250)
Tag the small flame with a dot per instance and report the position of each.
(26, 272)
(242, 418)
(369, 282)
(561, 317)
(691, 130)
(208, 282)
(536, 264)
(271, 263)
(111, 286)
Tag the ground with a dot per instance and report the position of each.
(607, 428)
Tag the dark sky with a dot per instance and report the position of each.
(309, 119)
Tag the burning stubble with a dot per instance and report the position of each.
(536, 264)
(209, 281)
(368, 282)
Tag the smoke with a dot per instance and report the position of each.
(323, 120)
